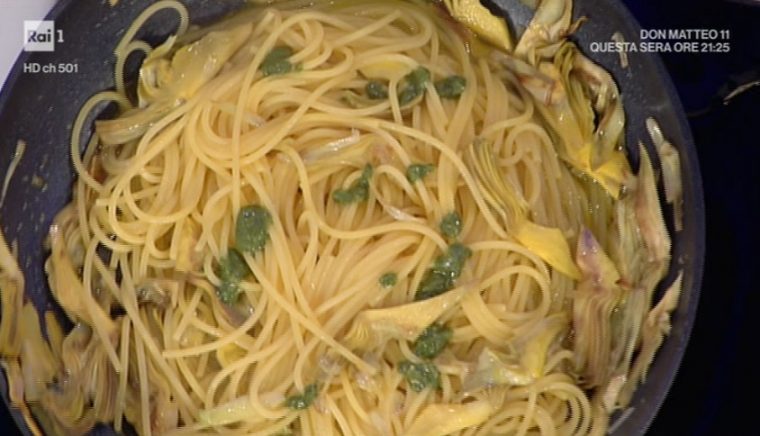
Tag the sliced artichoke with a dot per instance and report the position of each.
(548, 27)
(444, 419)
(372, 328)
(165, 84)
(480, 20)
(595, 299)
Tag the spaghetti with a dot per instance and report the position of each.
(355, 218)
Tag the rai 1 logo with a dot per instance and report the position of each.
(41, 35)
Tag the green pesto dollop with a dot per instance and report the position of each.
(277, 61)
(376, 90)
(304, 400)
(232, 270)
(357, 192)
(415, 172)
(443, 274)
(388, 280)
(451, 87)
(451, 225)
(413, 85)
(252, 228)
(432, 341)
(421, 375)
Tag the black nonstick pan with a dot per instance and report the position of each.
(39, 108)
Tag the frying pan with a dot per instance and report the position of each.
(40, 109)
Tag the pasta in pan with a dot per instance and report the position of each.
(356, 218)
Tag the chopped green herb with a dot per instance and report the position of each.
(229, 291)
(451, 87)
(432, 341)
(414, 85)
(233, 265)
(303, 401)
(453, 261)
(451, 225)
(277, 61)
(376, 90)
(433, 283)
(232, 269)
(444, 272)
(416, 172)
(357, 192)
(388, 280)
(420, 375)
(252, 228)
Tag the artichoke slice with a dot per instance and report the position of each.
(473, 15)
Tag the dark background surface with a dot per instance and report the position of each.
(712, 394)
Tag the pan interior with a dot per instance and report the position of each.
(40, 110)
